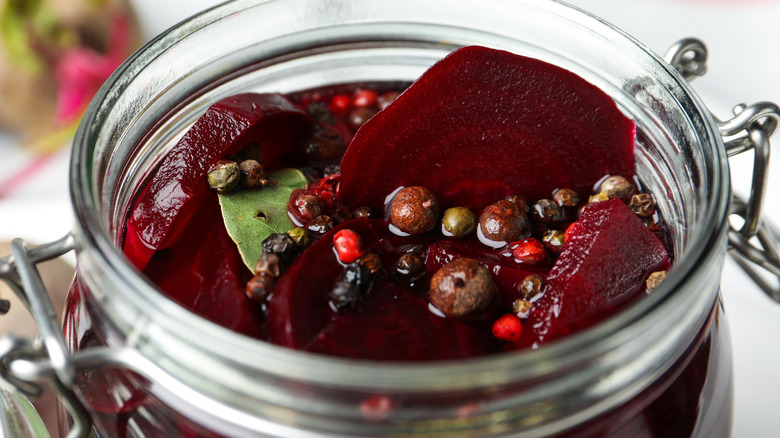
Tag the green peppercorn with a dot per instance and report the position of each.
(224, 176)
(616, 187)
(458, 222)
(300, 236)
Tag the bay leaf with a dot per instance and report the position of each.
(252, 215)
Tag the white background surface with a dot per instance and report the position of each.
(743, 38)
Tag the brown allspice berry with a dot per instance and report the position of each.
(414, 210)
(504, 221)
(617, 187)
(521, 201)
(566, 197)
(463, 287)
(642, 204)
(260, 287)
(252, 174)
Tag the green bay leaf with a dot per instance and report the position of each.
(252, 215)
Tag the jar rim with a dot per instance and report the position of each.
(94, 236)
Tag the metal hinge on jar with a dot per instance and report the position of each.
(755, 245)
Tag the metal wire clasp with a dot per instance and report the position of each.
(756, 243)
(20, 359)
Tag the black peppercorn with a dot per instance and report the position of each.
(410, 267)
(344, 296)
(548, 211)
(252, 175)
(642, 204)
(320, 112)
(359, 116)
(322, 147)
(282, 245)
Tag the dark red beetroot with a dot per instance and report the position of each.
(482, 124)
(232, 123)
(392, 322)
(604, 265)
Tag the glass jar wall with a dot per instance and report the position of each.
(660, 368)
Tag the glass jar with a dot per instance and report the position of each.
(144, 366)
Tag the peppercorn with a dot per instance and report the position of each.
(358, 274)
(348, 245)
(364, 211)
(359, 116)
(642, 204)
(566, 197)
(548, 211)
(306, 205)
(320, 224)
(504, 221)
(269, 264)
(521, 201)
(344, 296)
(260, 287)
(616, 187)
(340, 103)
(364, 97)
(598, 197)
(410, 267)
(321, 146)
(508, 328)
(320, 113)
(528, 251)
(531, 286)
(655, 279)
(553, 241)
(522, 308)
(300, 236)
(461, 288)
(387, 98)
(458, 222)
(252, 175)
(372, 263)
(282, 245)
(333, 169)
(252, 151)
(414, 210)
(224, 176)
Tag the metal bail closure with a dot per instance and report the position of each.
(24, 363)
(756, 243)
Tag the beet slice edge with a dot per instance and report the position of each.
(482, 124)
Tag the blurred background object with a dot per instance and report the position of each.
(54, 55)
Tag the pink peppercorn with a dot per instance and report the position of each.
(348, 244)
(508, 328)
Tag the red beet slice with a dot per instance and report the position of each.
(232, 123)
(482, 124)
(391, 323)
(507, 273)
(206, 275)
(603, 267)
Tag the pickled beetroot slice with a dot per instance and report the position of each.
(604, 265)
(232, 123)
(391, 323)
(481, 124)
